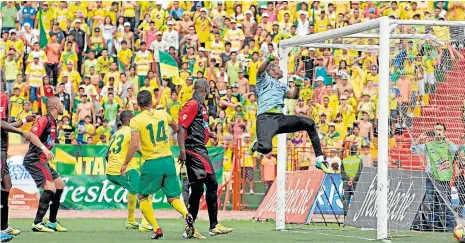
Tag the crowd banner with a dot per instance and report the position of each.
(83, 170)
(301, 191)
(333, 201)
(405, 196)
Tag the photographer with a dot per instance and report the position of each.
(439, 157)
(351, 169)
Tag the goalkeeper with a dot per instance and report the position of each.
(119, 145)
(270, 118)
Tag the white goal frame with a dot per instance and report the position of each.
(385, 25)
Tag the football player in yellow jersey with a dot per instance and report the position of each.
(119, 145)
(149, 129)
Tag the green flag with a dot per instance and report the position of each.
(169, 67)
(76, 103)
(43, 35)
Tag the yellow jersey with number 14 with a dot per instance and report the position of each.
(153, 127)
(118, 149)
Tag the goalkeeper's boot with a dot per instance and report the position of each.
(131, 225)
(320, 165)
(189, 230)
(158, 234)
(6, 237)
(40, 227)
(56, 226)
(11, 231)
(220, 230)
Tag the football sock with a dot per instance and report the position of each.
(145, 222)
(55, 205)
(147, 211)
(132, 200)
(44, 203)
(4, 211)
(179, 206)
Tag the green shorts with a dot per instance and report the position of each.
(156, 174)
(130, 181)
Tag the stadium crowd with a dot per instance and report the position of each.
(99, 55)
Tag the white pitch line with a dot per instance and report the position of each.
(326, 234)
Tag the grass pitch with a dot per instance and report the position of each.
(113, 231)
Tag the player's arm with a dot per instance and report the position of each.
(265, 64)
(29, 118)
(419, 148)
(108, 149)
(182, 148)
(174, 126)
(292, 93)
(10, 128)
(186, 117)
(133, 147)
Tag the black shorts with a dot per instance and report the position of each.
(4, 158)
(198, 163)
(41, 172)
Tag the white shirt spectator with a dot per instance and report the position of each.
(158, 46)
(107, 31)
(264, 47)
(172, 38)
(30, 38)
(302, 28)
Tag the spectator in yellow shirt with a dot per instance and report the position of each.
(124, 57)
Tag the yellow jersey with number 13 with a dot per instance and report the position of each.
(118, 149)
(153, 127)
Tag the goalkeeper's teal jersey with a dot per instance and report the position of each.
(270, 92)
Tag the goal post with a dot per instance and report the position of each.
(285, 46)
(384, 30)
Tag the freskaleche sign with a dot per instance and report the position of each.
(406, 192)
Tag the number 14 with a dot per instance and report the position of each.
(161, 133)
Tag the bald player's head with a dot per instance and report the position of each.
(202, 89)
(201, 84)
(54, 105)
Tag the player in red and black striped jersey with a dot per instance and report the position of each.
(193, 134)
(45, 177)
(5, 175)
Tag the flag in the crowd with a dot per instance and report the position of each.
(43, 35)
(43, 100)
(169, 68)
(76, 103)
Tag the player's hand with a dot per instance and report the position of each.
(123, 169)
(350, 183)
(48, 154)
(31, 118)
(182, 156)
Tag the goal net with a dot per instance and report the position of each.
(388, 100)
